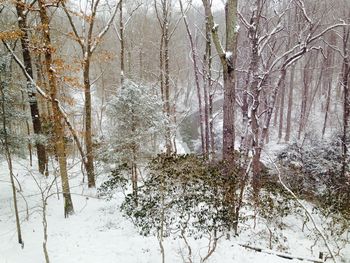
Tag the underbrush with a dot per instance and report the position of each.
(314, 171)
(188, 198)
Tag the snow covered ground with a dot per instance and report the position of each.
(98, 232)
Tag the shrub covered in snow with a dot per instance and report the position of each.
(135, 124)
(117, 180)
(181, 192)
(314, 171)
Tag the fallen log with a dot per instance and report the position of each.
(280, 254)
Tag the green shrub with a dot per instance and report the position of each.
(181, 192)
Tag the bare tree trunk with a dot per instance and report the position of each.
(160, 232)
(122, 42)
(290, 105)
(280, 126)
(88, 44)
(328, 102)
(88, 123)
(277, 110)
(207, 85)
(58, 127)
(167, 74)
(346, 102)
(228, 60)
(33, 102)
(228, 63)
(44, 222)
(141, 63)
(42, 83)
(305, 97)
(208, 92)
(312, 96)
(328, 82)
(206, 120)
(253, 81)
(264, 133)
(134, 161)
(196, 76)
(164, 66)
(164, 96)
(9, 163)
(28, 132)
(161, 67)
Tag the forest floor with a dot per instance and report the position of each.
(98, 231)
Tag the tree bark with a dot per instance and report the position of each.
(208, 97)
(305, 96)
(228, 63)
(327, 83)
(167, 75)
(88, 124)
(33, 102)
(281, 117)
(290, 105)
(204, 140)
(58, 126)
(9, 163)
(88, 45)
(28, 131)
(228, 60)
(164, 66)
(346, 103)
(208, 89)
(122, 43)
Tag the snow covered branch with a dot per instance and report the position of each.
(105, 29)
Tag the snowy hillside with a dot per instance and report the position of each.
(98, 231)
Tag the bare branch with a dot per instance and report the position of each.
(70, 19)
(105, 29)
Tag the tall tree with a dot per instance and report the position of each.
(208, 92)
(228, 59)
(57, 122)
(290, 104)
(7, 112)
(204, 141)
(328, 80)
(122, 43)
(164, 12)
(346, 98)
(33, 102)
(164, 16)
(88, 43)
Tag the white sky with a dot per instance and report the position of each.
(217, 4)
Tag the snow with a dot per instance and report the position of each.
(228, 55)
(52, 69)
(98, 232)
(237, 28)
